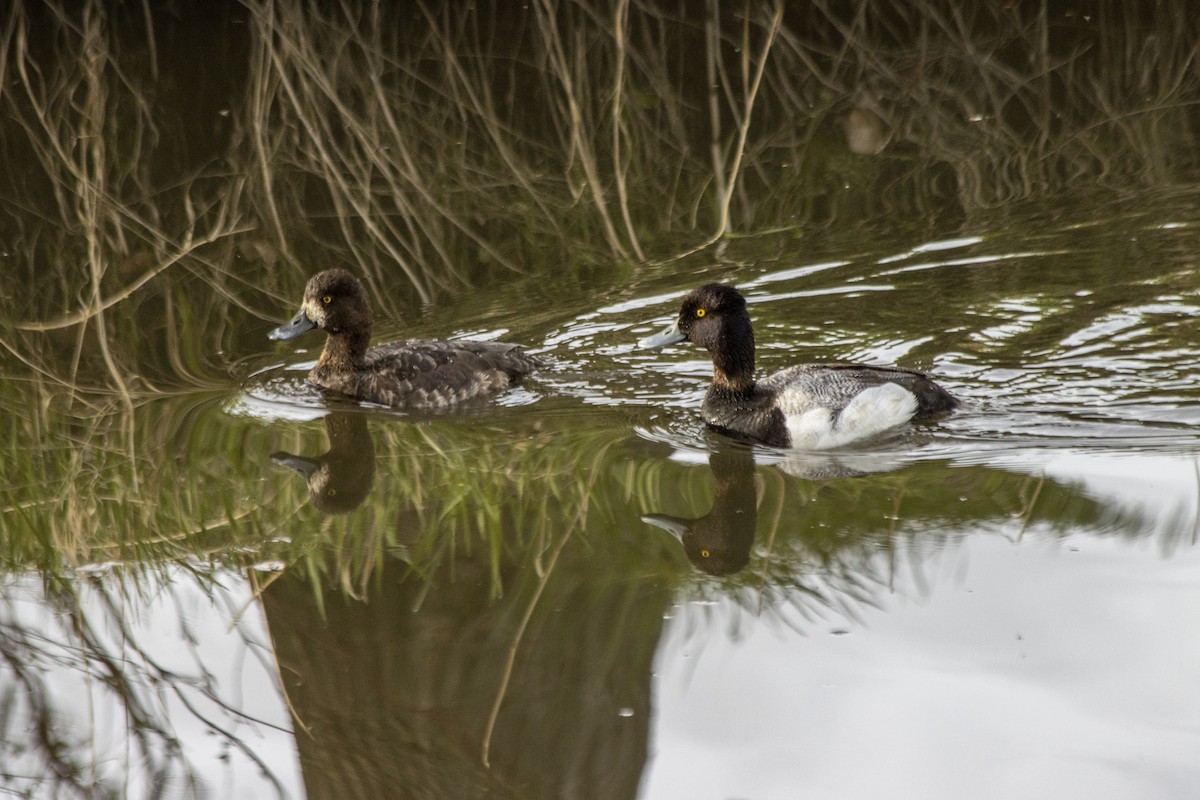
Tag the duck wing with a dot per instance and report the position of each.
(432, 374)
(833, 385)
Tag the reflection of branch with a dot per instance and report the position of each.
(85, 314)
(98, 643)
(513, 648)
(769, 546)
(66, 774)
(620, 23)
(743, 131)
(163, 677)
(256, 596)
(27, 660)
(1027, 512)
(510, 661)
(1196, 519)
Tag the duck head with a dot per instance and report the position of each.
(714, 316)
(334, 301)
(705, 315)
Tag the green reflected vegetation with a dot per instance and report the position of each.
(356, 496)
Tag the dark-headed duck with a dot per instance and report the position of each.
(412, 374)
(809, 406)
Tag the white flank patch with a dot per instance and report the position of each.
(871, 412)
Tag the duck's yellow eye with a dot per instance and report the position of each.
(327, 299)
(700, 312)
(704, 554)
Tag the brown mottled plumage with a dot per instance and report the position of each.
(412, 374)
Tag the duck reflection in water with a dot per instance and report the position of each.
(339, 480)
(719, 543)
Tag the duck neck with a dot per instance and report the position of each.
(345, 350)
(733, 359)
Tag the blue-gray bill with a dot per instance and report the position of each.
(290, 330)
(670, 335)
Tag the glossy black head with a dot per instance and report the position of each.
(713, 313)
(334, 301)
(714, 317)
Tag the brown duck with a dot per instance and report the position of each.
(412, 374)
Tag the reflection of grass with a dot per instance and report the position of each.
(181, 482)
(121, 487)
(457, 491)
(834, 546)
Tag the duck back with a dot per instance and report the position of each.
(834, 385)
(430, 374)
(818, 406)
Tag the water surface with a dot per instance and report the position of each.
(219, 582)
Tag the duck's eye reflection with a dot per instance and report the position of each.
(700, 312)
(327, 299)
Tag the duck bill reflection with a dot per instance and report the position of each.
(290, 330)
(304, 467)
(670, 335)
(673, 525)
